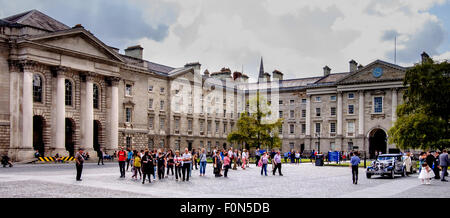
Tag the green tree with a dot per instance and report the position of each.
(257, 129)
(423, 118)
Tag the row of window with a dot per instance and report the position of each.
(319, 99)
(38, 91)
(377, 102)
(317, 128)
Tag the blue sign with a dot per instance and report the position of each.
(377, 72)
(333, 156)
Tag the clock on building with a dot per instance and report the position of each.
(377, 72)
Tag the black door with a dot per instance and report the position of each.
(96, 135)
(38, 134)
(377, 142)
(70, 130)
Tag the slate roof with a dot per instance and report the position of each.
(35, 19)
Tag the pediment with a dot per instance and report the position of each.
(377, 71)
(78, 41)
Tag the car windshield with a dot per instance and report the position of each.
(385, 158)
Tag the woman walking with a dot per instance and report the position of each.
(264, 161)
(178, 161)
(147, 166)
(137, 166)
(244, 158)
(203, 162)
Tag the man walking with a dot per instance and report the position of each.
(122, 155)
(79, 160)
(277, 163)
(354, 164)
(443, 161)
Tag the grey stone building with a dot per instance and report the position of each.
(61, 88)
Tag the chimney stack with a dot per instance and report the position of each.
(360, 67)
(326, 71)
(353, 66)
(135, 51)
(277, 75)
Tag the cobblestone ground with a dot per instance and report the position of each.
(304, 181)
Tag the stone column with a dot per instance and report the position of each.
(88, 117)
(361, 113)
(339, 114)
(114, 116)
(26, 148)
(308, 115)
(339, 121)
(60, 147)
(394, 106)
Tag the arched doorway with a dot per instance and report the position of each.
(97, 131)
(38, 134)
(70, 136)
(377, 142)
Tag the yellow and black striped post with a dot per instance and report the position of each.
(52, 159)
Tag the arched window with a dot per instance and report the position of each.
(37, 88)
(68, 92)
(96, 96)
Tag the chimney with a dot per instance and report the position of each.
(326, 71)
(267, 77)
(353, 66)
(135, 51)
(425, 57)
(277, 75)
(360, 67)
(206, 73)
(196, 66)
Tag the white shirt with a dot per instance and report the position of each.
(244, 155)
(186, 156)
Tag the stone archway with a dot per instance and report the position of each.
(70, 136)
(377, 142)
(38, 134)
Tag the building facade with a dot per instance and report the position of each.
(62, 89)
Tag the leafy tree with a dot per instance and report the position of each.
(257, 129)
(423, 119)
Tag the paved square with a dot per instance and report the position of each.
(304, 181)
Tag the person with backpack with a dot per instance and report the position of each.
(122, 156)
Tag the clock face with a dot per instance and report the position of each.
(377, 72)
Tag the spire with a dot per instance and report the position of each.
(261, 70)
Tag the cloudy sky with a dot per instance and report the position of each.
(294, 36)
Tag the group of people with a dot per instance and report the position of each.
(161, 163)
(433, 165)
(223, 161)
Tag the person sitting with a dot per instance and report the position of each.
(37, 154)
(6, 160)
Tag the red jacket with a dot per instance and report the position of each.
(122, 155)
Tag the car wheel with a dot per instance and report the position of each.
(404, 172)
(368, 175)
(392, 174)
